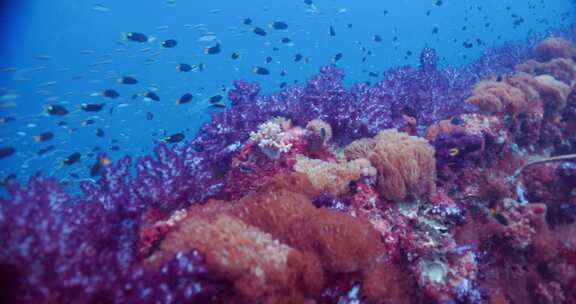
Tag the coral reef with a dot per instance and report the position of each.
(431, 186)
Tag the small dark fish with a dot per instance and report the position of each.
(435, 30)
(337, 57)
(185, 98)
(216, 99)
(377, 38)
(149, 115)
(101, 163)
(62, 124)
(332, 31)
(213, 50)
(8, 179)
(170, 43)
(88, 122)
(298, 57)
(6, 151)
(283, 85)
(44, 137)
(137, 37)
(261, 70)
(92, 107)
(283, 73)
(174, 138)
(72, 159)
(151, 95)
(259, 31)
(7, 119)
(183, 67)
(285, 40)
(100, 133)
(501, 219)
(349, 25)
(127, 80)
(279, 25)
(308, 2)
(247, 21)
(56, 110)
(235, 55)
(114, 148)
(44, 150)
(438, 2)
(218, 105)
(457, 121)
(268, 59)
(111, 94)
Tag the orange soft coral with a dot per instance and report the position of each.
(344, 244)
(553, 92)
(406, 164)
(496, 97)
(563, 69)
(442, 127)
(260, 266)
(555, 47)
(275, 246)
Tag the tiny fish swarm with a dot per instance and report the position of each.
(319, 193)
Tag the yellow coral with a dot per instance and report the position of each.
(332, 177)
(361, 148)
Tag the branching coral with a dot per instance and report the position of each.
(406, 164)
(271, 137)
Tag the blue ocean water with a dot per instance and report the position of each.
(64, 52)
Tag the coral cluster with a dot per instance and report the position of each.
(405, 164)
(412, 190)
